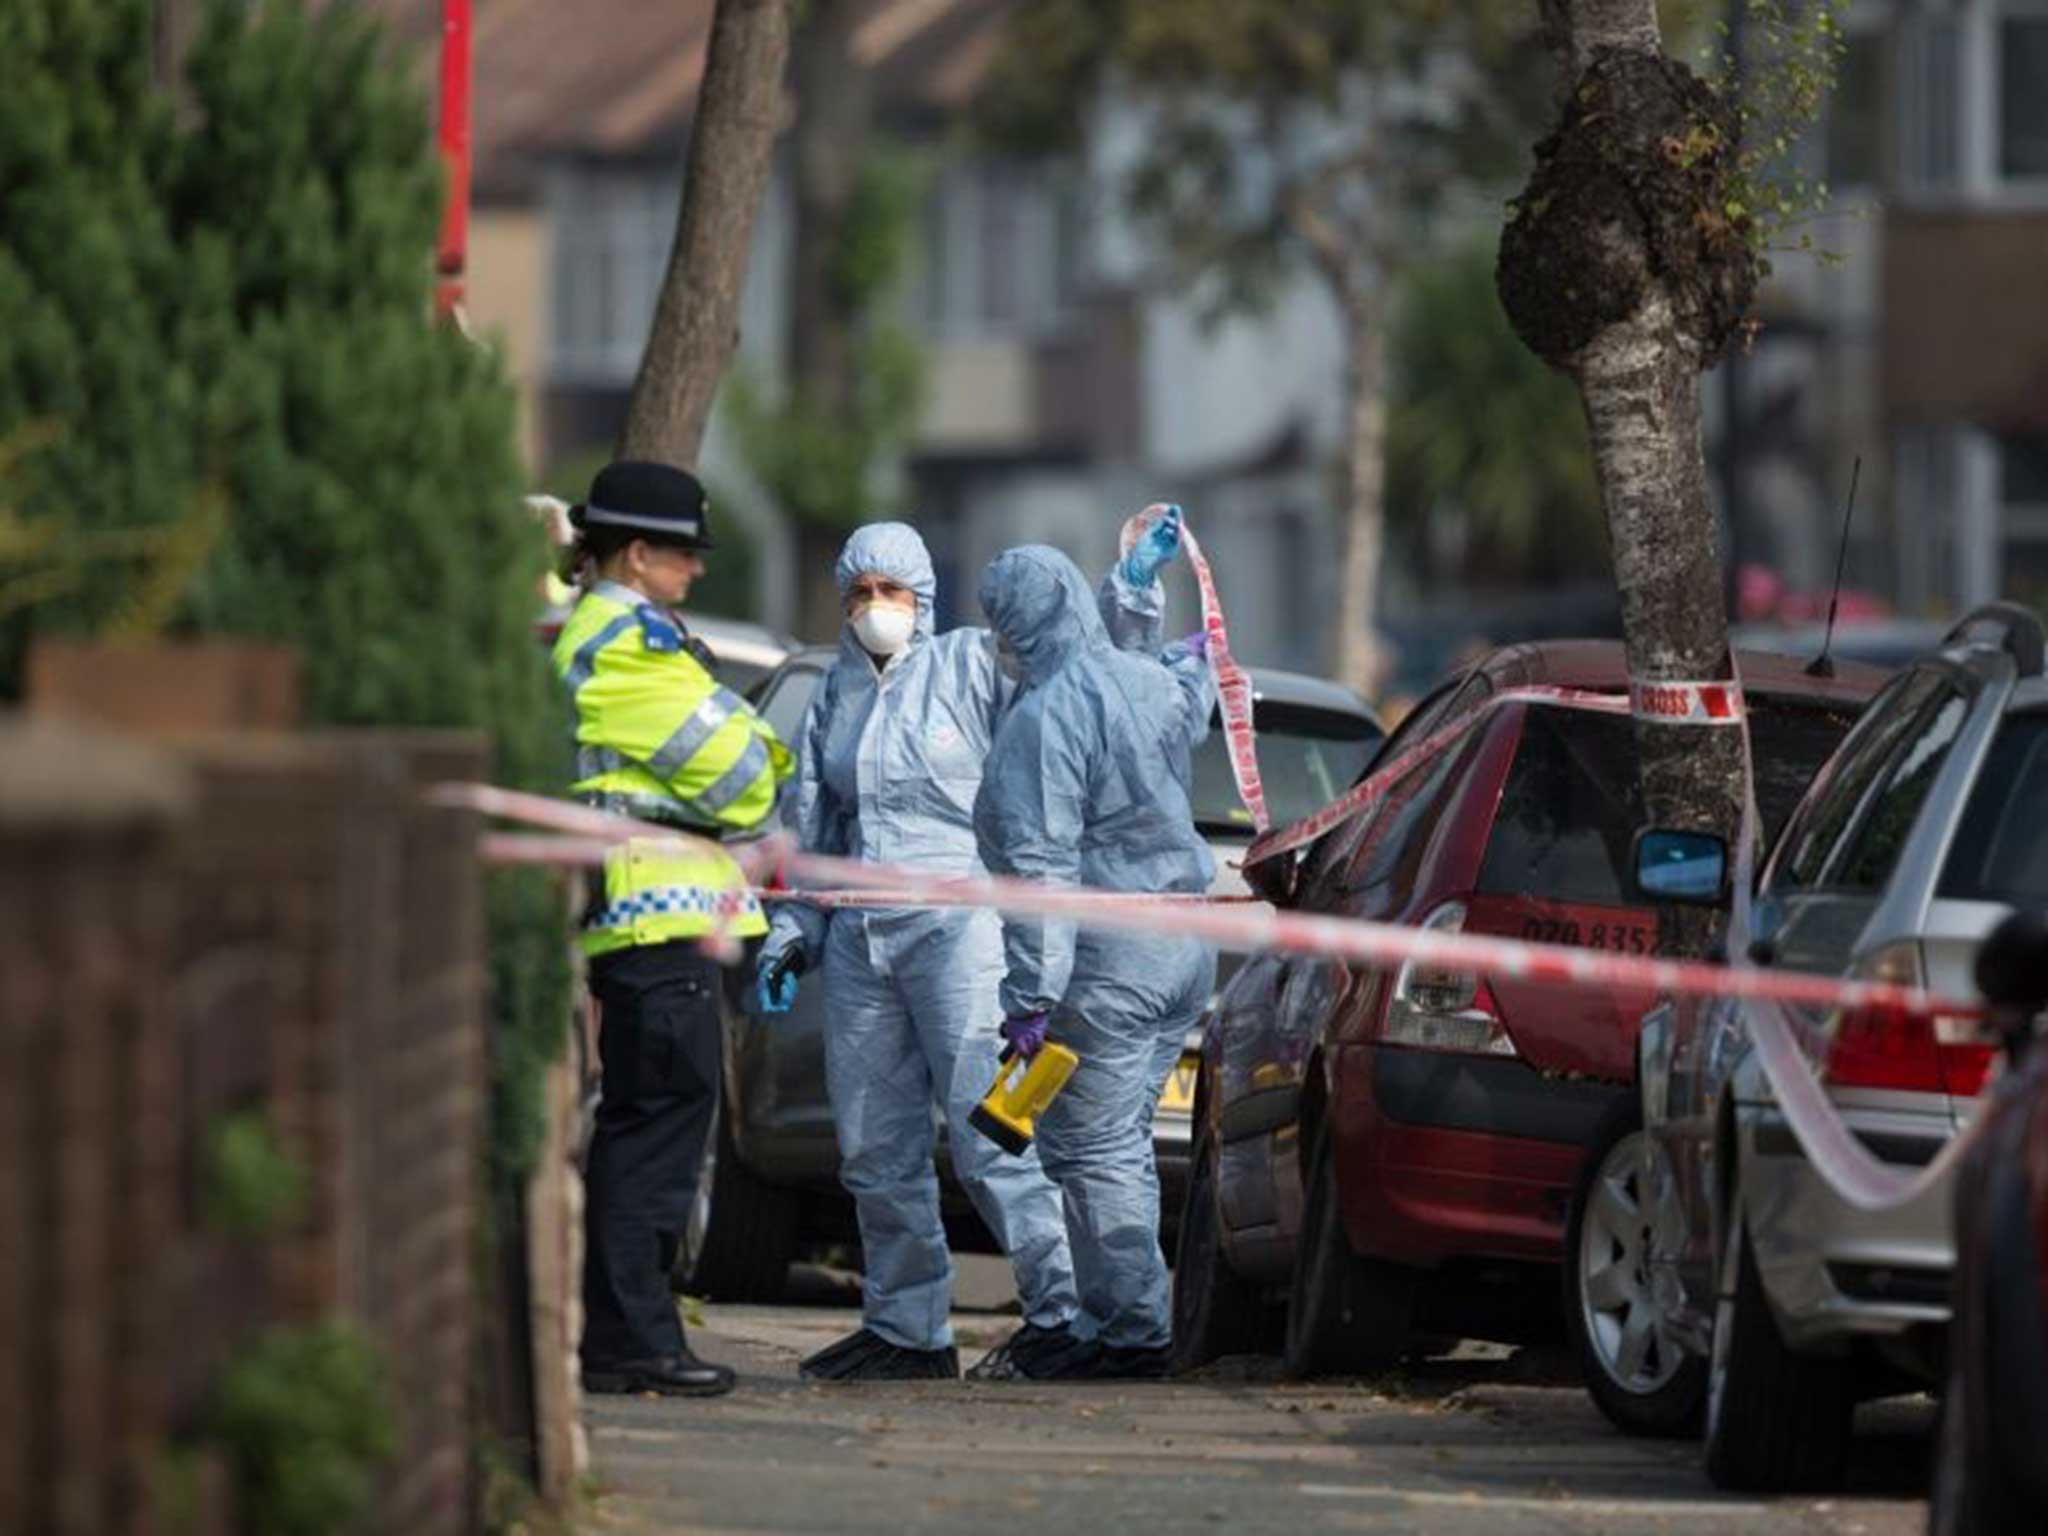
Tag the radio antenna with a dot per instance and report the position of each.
(1823, 665)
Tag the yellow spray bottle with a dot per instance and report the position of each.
(1008, 1112)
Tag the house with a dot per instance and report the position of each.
(1065, 390)
(1926, 349)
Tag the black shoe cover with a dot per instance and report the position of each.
(1018, 1356)
(867, 1356)
(1115, 1364)
(1094, 1361)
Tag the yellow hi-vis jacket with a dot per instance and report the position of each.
(658, 739)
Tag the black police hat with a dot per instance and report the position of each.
(664, 502)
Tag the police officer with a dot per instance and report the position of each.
(656, 738)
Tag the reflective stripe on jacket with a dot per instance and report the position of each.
(658, 738)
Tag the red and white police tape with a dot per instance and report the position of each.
(1233, 687)
(774, 861)
(1676, 703)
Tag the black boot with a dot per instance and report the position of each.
(867, 1356)
(679, 1375)
(1024, 1353)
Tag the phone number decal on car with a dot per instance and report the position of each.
(1627, 938)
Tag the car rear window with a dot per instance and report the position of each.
(2001, 849)
(1789, 743)
(1573, 801)
(1569, 810)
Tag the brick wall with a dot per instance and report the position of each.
(252, 922)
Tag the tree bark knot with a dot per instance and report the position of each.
(1631, 192)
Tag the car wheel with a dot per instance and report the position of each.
(741, 1233)
(1345, 1315)
(1776, 1422)
(1216, 1311)
(1636, 1371)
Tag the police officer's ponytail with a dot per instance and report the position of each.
(594, 544)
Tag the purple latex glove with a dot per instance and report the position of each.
(1025, 1033)
(1197, 645)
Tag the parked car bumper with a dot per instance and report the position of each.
(1444, 1156)
(1834, 1272)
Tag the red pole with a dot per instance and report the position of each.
(451, 252)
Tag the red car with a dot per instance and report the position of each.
(1394, 1151)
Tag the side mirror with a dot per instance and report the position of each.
(1687, 868)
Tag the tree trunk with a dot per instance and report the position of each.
(1640, 384)
(835, 112)
(1364, 492)
(732, 148)
(1621, 266)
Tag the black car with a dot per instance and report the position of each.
(770, 1187)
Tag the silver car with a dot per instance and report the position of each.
(1707, 1238)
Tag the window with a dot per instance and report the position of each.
(1850, 833)
(2023, 497)
(612, 230)
(1789, 742)
(1932, 119)
(2001, 849)
(1856, 114)
(2023, 96)
(1841, 787)
(1867, 858)
(1400, 831)
(1307, 758)
(1003, 251)
(783, 705)
(1569, 811)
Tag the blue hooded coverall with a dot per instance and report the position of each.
(888, 766)
(1088, 783)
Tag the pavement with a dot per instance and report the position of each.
(1484, 1440)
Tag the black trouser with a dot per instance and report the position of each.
(660, 1047)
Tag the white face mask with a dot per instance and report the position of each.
(883, 628)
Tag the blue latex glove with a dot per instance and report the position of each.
(1154, 548)
(775, 987)
(1197, 645)
(1025, 1033)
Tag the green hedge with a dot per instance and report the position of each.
(224, 409)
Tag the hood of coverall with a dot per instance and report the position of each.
(1041, 605)
(894, 552)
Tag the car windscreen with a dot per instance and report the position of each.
(1569, 813)
(1307, 757)
(2001, 849)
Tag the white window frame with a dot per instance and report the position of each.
(2020, 523)
(621, 219)
(957, 305)
(1972, 96)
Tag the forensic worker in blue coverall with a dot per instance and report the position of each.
(890, 758)
(1088, 783)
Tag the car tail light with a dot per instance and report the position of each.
(1436, 1009)
(1888, 1047)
